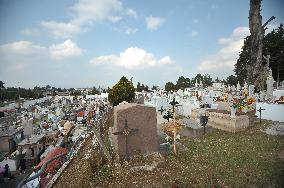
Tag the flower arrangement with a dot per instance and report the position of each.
(250, 100)
(239, 104)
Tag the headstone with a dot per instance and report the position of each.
(238, 86)
(251, 90)
(269, 83)
(139, 117)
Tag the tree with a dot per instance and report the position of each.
(243, 61)
(232, 80)
(182, 83)
(256, 31)
(2, 85)
(197, 78)
(122, 91)
(170, 86)
(155, 87)
(47, 87)
(138, 87)
(207, 80)
(274, 46)
(95, 91)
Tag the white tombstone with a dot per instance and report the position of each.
(269, 83)
(251, 90)
(245, 85)
(238, 86)
(262, 96)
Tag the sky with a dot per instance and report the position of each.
(86, 43)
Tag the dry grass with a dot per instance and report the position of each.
(219, 159)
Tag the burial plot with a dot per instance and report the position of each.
(134, 130)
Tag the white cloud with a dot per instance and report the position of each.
(154, 23)
(226, 57)
(30, 32)
(61, 29)
(131, 12)
(241, 32)
(21, 47)
(85, 12)
(114, 18)
(224, 40)
(65, 50)
(194, 33)
(95, 10)
(130, 31)
(133, 58)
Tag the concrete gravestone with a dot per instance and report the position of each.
(142, 119)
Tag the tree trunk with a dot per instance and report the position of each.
(254, 68)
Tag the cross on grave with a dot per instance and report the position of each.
(204, 121)
(259, 110)
(168, 116)
(126, 131)
(174, 103)
(161, 110)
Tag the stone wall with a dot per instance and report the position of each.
(227, 123)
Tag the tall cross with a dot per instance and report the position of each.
(259, 110)
(126, 131)
(174, 103)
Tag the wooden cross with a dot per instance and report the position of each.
(126, 131)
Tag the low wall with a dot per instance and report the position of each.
(272, 112)
(225, 122)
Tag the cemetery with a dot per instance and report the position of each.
(195, 132)
(219, 135)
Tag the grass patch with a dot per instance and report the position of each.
(219, 159)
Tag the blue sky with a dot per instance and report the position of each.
(86, 43)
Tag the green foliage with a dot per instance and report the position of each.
(274, 46)
(76, 93)
(2, 85)
(11, 93)
(232, 80)
(141, 87)
(170, 86)
(95, 91)
(206, 79)
(122, 91)
(182, 83)
(242, 62)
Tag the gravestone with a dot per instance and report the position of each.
(251, 90)
(269, 82)
(141, 118)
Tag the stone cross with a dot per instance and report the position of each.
(126, 131)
